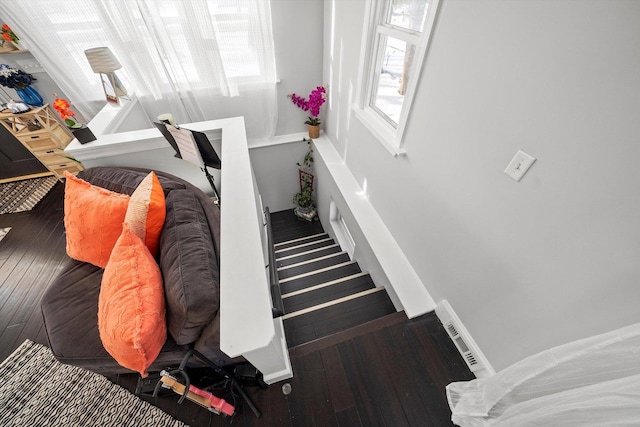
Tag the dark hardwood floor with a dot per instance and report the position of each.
(30, 257)
(389, 372)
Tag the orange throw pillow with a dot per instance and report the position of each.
(93, 219)
(131, 307)
(147, 211)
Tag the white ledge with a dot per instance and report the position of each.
(382, 132)
(403, 279)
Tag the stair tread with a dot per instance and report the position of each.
(303, 247)
(286, 226)
(307, 255)
(327, 293)
(315, 260)
(313, 266)
(336, 318)
(317, 278)
(347, 334)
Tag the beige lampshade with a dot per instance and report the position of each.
(102, 60)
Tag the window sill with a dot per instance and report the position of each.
(383, 133)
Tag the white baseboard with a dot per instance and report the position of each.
(465, 344)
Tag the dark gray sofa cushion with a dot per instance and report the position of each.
(189, 266)
(126, 180)
(70, 313)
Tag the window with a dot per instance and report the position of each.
(201, 59)
(394, 47)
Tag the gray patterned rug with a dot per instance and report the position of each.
(37, 390)
(20, 196)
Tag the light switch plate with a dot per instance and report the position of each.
(519, 165)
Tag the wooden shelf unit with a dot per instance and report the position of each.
(45, 137)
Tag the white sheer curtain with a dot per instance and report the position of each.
(198, 59)
(591, 382)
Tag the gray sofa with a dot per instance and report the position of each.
(189, 260)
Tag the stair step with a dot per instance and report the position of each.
(299, 241)
(303, 247)
(286, 226)
(313, 260)
(312, 265)
(332, 302)
(309, 254)
(348, 334)
(317, 277)
(326, 292)
(330, 319)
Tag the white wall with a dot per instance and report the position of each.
(526, 265)
(276, 173)
(297, 33)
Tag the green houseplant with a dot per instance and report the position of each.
(303, 199)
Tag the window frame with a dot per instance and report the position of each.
(375, 29)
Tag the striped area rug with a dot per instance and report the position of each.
(4, 232)
(20, 196)
(37, 390)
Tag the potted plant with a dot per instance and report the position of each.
(317, 97)
(9, 40)
(82, 133)
(303, 199)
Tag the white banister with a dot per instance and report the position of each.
(247, 327)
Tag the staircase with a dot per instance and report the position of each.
(324, 292)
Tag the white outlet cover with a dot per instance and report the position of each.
(519, 165)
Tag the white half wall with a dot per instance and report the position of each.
(526, 265)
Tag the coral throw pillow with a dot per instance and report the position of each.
(147, 211)
(131, 307)
(93, 219)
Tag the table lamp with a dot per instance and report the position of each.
(104, 62)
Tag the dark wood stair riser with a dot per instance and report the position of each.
(317, 324)
(327, 293)
(309, 256)
(316, 279)
(312, 266)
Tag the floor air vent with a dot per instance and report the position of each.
(463, 348)
(463, 341)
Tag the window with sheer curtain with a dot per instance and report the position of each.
(198, 59)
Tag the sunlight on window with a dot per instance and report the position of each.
(409, 14)
(394, 76)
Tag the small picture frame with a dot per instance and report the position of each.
(108, 84)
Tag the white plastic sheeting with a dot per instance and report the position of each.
(593, 381)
